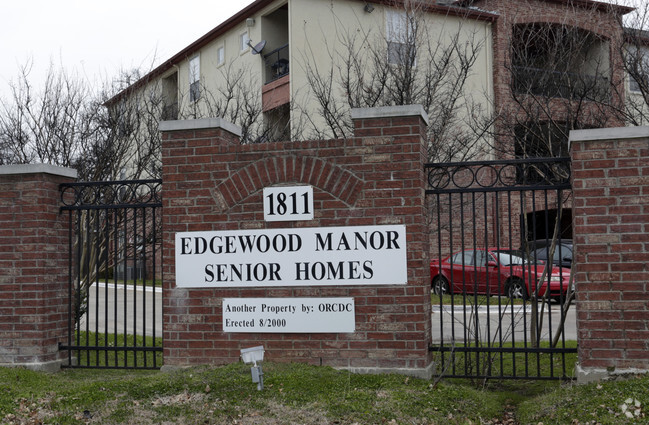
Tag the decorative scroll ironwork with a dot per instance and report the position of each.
(530, 173)
(116, 194)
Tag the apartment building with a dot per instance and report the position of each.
(499, 78)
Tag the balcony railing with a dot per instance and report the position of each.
(170, 112)
(558, 84)
(277, 64)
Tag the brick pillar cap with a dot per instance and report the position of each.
(619, 133)
(390, 112)
(38, 169)
(200, 124)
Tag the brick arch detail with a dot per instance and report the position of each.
(325, 175)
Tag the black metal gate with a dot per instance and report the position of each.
(500, 307)
(115, 269)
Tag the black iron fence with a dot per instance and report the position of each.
(501, 309)
(115, 294)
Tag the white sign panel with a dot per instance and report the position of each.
(289, 315)
(355, 255)
(288, 203)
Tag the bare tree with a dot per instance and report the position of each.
(557, 85)
(65, 122)
(411, 63)
(235, 99)
(50, 125)
(560, 77)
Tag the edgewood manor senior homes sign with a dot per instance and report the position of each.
(355, 255)
(305, 256)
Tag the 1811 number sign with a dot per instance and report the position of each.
(288, 203)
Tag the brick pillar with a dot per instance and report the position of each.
(190, 149)
(611, 227)
(34, 264)
(376, 178)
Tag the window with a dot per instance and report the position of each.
(244, 39)
(220, 56)
(482, 258)
(170, 97)
(194, 78)
(559, 61)
(464, 258)
(401, 30)
(123, 125)
(638, 68)
(542, 139)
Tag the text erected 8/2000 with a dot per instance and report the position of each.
(289, 315)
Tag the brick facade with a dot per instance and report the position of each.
(599, 19)
(34, 264)
(611, 220)
(213, 183)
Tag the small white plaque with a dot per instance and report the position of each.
(289, 315)
(288, 203)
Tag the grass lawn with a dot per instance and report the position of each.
(121, 351)
(304, 394)
(512, 360)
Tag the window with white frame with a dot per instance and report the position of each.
(244, 39)
(220, 55)
(638, 65)
(400, 31)
(194, 78)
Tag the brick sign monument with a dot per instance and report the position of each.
(316, 250)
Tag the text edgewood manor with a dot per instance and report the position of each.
(353, 255)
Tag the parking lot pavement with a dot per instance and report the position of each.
(504, 323)
(116, 308)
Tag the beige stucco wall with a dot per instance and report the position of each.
(318, 26)
(314, 30)
(237, 62)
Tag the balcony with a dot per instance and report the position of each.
(276, 64)
(559, 84)
(276, 92)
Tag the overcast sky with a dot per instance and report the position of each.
(98, 38)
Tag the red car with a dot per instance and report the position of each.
(496, 271)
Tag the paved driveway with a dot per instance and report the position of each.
(498, 324)
(132, 311)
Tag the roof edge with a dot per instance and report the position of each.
(256, 6)
(226, 25)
